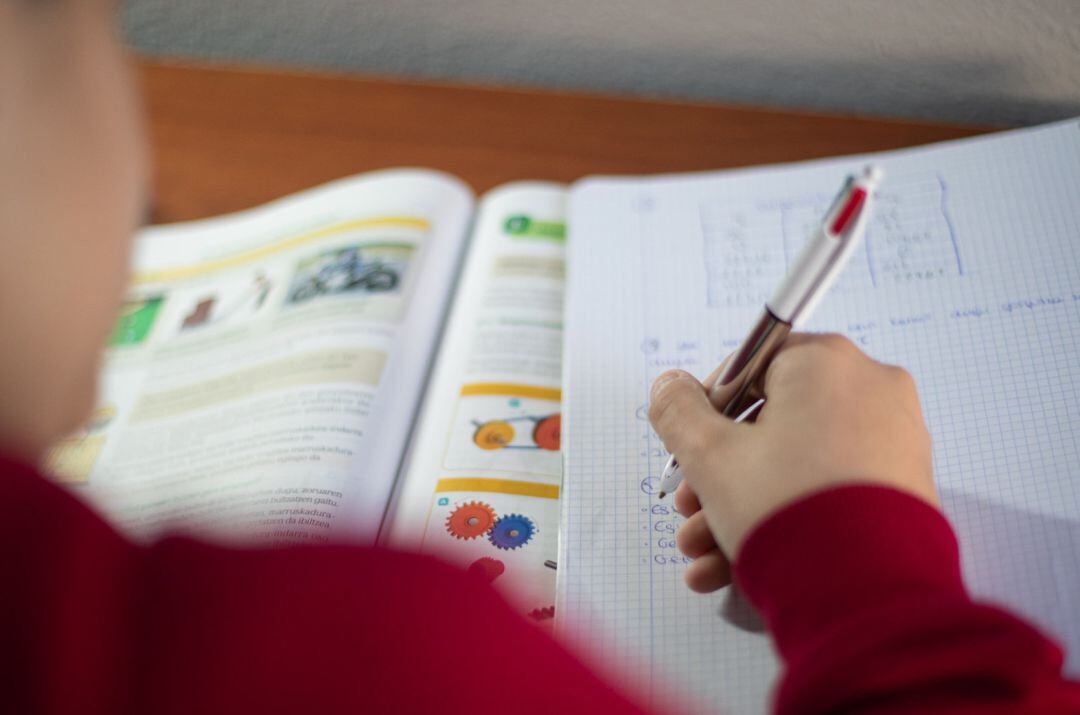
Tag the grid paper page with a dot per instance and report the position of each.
(969, 276)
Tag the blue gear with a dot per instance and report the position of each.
(512, 531)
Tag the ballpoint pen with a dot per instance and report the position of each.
(820, 262)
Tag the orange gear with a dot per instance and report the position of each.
(495, 434)
(470, 520)
(546, 434)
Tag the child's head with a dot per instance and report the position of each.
(71, 179)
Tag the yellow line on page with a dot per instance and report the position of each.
(500, 486)
(506, 388)
(171, 274)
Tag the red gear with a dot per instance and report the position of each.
(542, 614)
(470, 520)
(487, 568)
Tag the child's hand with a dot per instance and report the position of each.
(833, 416)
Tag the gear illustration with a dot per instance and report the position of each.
(546, 433)
(501, 433)
(512, 531)
(495, 434)
(542, 614)
(470, 520)
(487, 568)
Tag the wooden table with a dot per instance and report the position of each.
(227, 139)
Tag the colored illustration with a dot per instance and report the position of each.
(507, 427)
(500, 434)
(137, 317)
(470, 520)
(520, 226)
(200, 314)
(473, 519)
(362, 268)
(487, 568)
(512, 532)
(504, 531)
(210, 309)
(542, 614)
(73, 458)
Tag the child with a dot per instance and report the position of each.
(836, 536)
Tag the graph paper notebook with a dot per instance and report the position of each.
(969, 277)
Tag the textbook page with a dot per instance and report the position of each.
(264, 375)
(481, 486)
(969, 277)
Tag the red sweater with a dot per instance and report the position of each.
(90, 623)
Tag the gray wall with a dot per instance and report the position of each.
(986, 61)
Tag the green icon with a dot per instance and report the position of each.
(136, 319)
(525, 227)
(443, 501)
(517, 225)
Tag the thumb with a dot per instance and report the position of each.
(680, 412)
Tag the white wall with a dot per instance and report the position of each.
(987, 61)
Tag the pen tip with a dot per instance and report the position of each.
(662, 493)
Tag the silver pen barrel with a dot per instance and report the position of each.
(737, 387)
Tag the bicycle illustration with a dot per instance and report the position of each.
(342, 271)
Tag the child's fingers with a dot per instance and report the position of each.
(708, 573)
(694, 538)
(681, 414)
(686, 502)
(709, 381)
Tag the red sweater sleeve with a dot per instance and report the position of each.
(860, 586)
(90, 623)
(861, 589)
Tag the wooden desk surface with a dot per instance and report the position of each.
(227, 139)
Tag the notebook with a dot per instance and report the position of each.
(969, 277)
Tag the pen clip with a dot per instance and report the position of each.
(840, 196)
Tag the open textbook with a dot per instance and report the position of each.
(264, 379)
(380, 358)
(968, 276)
